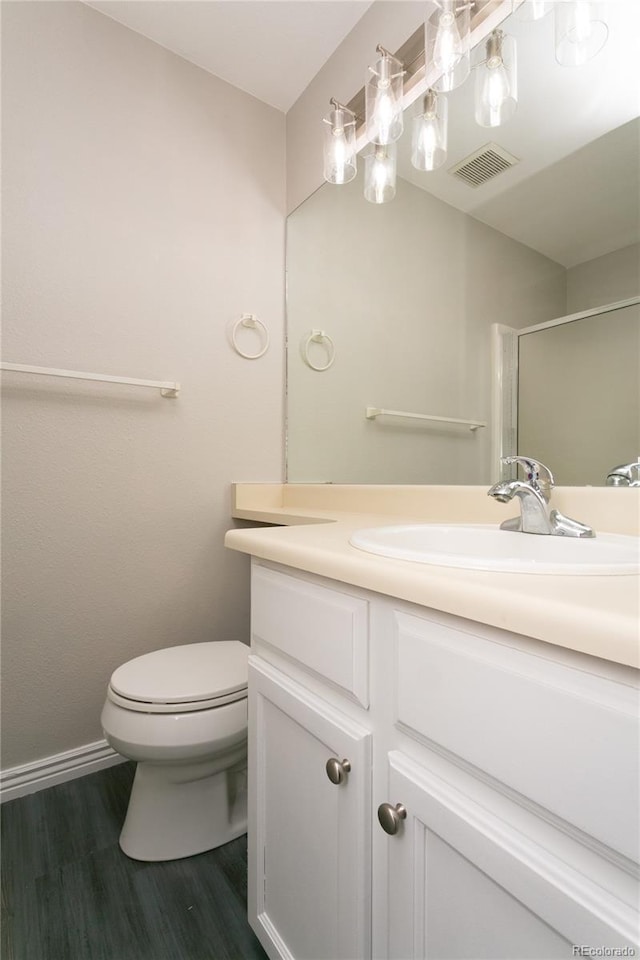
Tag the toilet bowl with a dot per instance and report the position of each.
(181, 713)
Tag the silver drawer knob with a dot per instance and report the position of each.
(390, 817)
(337, 771)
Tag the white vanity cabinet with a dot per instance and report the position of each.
(310, 808)
(506, 770)
(312, 898)
(457, 883)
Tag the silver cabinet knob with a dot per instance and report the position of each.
(337, 771)
(390, 817)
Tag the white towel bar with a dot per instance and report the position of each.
(373, 412)
(167, 389)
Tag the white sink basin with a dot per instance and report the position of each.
(482, 547)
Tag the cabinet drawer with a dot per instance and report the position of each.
(322, 629)
(563, 737)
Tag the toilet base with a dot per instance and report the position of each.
(179, 810)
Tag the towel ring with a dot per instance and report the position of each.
(319, 336)
(252, 322)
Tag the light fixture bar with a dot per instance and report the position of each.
(338, 106)
(386, 53)
(486, 16)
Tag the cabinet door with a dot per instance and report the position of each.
(463, 882)
(309, 838)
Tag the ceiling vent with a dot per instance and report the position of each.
(485, 164)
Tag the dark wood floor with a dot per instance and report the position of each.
(69, 893)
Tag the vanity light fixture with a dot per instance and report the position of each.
(340, 157)
(496, 91)
(446, 41)
(380, 173)
(383, 99)
(429, 133)
(581, 32)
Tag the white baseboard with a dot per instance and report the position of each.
(31, 777)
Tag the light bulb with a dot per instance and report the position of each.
(447, 49)
(429, 134)
(380, 174)
(496, 95)
(495, 91)
(339, 146)
(379, 178)
(339, 157)
(385, 115)
(447, 43)
(429, 137)
(383, 101)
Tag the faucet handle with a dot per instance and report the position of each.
(539, 476)
(620, 476)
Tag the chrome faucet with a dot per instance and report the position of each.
(534, 494)
(621, 476)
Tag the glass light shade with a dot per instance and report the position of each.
(534, 9)
(496, 93)
(340, 163)
(429, 133)
(446, 42)
(581, 32)
(380, 173)
(383, 101)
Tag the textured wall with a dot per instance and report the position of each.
(143, 211)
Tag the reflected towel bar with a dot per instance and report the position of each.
(372, 412)
(167, 389)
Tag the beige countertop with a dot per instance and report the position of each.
(596, 615)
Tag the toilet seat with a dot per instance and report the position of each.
(195, 676)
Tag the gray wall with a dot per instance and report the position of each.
(590, 371)
(143, 212)
(616, 276)
(578, 396)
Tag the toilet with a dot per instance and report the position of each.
(181, 713)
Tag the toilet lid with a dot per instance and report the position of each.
(189, 674)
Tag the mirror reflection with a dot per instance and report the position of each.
(397, 300)
(582, 366)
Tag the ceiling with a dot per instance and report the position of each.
(579, 208)
(271, 49)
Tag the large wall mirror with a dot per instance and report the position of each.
(397, 300)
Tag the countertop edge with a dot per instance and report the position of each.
(529, 605)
